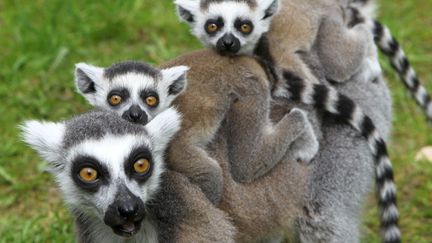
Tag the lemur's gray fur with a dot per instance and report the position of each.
(344, 170)
(250, 99)
(220, 25)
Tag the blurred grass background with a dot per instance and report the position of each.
(41, 40)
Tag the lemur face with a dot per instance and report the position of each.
(107, 168)
(112, 177)
(229, 26)
(135, 91)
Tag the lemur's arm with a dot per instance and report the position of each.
(191, 159)
(341, 49)
(255, 145)
(187, 152)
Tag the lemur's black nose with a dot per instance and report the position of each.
(128, 209)
(228, 44)
(135, 115)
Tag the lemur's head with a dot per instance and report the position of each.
(134, 90)
(229, 26)
(107, 168)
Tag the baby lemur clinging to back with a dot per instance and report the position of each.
(336, 29)
(239, 27)
(137, 92)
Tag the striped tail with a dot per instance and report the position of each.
(391, 48)
(330, 100)
(362, 2)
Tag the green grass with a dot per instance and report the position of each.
(41, 40)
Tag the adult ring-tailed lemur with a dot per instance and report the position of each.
(239, 27)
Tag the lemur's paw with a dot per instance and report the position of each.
(298, 114)
(294, 120)
(305, 148)
(307, 153)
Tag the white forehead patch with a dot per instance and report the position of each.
(134, 82)
(230, 11)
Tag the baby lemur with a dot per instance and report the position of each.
(240, 26)
(138, 92)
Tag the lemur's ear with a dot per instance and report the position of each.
(186, 9)
(88, 79)
(163, 127)
(46, 138)
(174, 79)
(270, 7)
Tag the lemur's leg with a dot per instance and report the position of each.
(341, 49)
(256, 145)
(188, 156)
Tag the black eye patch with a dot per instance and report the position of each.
(147, 93)
(137, 154)
(239, 23)
(122, 92)
(219, 22)
(102, 174)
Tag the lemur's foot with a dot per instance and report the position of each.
(306, 146)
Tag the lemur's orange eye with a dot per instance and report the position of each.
(88, 174)
(246, 28)
(142, 166)
(151, 101)
(211, 28)
(115, 100)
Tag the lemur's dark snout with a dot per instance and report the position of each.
(135, 115)
(128, 209)
(228, 44)
(125, 214)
